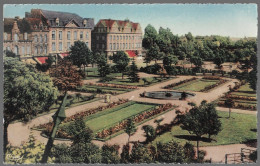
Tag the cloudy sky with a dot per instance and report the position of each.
(234, 20)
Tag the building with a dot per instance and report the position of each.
(110, 36)
(44, 32)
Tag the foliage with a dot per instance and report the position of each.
(10, 54)
(103, 67)
(29, 153)
(197, 61)
(66, 76)
(140, 154)
(110, 154)
(79, 131)
(130, 128)
(61, 153)
(149, 132)
(80, 54)
(121, 60)
(133, 73)
(170, 59)
(125, 155)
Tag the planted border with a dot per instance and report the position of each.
(170, 86)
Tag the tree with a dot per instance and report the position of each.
(80, 54)
(79, 131)
(229, 103)
(150, 37)
(133, 73)
(140, 154)
(130, 128)
(197, 120)
(61, 153)
(153, 53)
(103, 67)
(50, 60)
(170, 59)
(125, 156)
(197, 61)
(10, 54)
(218, 60)
(121, 60)
(110, 154)
(26, 93)
(149, 132)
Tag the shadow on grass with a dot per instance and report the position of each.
(250, 143)
(194, 138)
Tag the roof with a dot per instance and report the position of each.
(109, 22)
(23, 25)
(65, 18)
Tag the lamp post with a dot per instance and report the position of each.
(58, 117)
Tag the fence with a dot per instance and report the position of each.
(238, 158)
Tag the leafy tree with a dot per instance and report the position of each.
(140, 154)
(78, 95)
(103, 67)
(153, 53)
(10, 54)
(80, 54)
(61, 153)
(149, 132)
(218, 60)
(29, 152)
(130, 128)
(197, 120)
(110, 154)
(189, 152)
(125, 155)
(79, 131)
(197, 61)
(26, 93)
(133, 73)
(121, 60)
(150, 36)
(168, 60)
(229, 103)
(253, 79)
(50, 60)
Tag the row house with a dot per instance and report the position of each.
(110, 36)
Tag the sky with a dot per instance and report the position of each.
(233, 20)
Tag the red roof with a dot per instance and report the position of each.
(64, 54)
(42, 60)
(131, 53)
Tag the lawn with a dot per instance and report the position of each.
(92, 73)
(110, 117)
(150, 81)
(238, 129)
(195, 85)
(245, 90)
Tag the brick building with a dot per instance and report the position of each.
(44, 32)
(110, 36)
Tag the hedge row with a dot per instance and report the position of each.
(207, 88)
(179, 83)
(238, 106)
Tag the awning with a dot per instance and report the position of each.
(64, 54)
(41, 60)
(131, 54)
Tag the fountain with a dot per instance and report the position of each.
(167, 95)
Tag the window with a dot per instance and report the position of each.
(8, 48)
(110, 45)
(103, 37)
(126, 37)
(60, 46)
(81, 35)
(126, 45)
(133, 37)
(75, 35)
(110, 38)
(35, 38)
(53, 46)
(41, 38)
(53, 34)
(35, 50)
(133, 46)
(16, 38)
(129, 37)
(68, 35)
(23, 51)
(5, 36)
(60, 35)
(40, 50)
(114, 46)
(87, 44)
(45, 50)
(84, 22)
(68, 46)
(97, 37)
(120, 46)
(28, 50)
(117, 37)
(87, 35)
(129, 45)
(114, 37)
(45, 37)
(120, 37)
(97, 46)
(103, 46)
(57, 21)
(25, 36)
(123, 45)
(117, 46)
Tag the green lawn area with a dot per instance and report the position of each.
(237, 129)
(92, 73)
(245, 90)
(93, 88)
(150, 81)
(195, 85)
(110, 117)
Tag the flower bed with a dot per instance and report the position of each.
(114, 86)
(212, 77)
(179, 83)
(137, 119)
(240, 97)
(207, 88)
(238, 106)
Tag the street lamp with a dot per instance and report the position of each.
(58, 117)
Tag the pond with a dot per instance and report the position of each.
(168, 95)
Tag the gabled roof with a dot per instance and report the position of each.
(65, 18)
(23, 25)
(109, 22)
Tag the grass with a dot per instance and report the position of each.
(238, 129)
(110, 117)
(195, 85)
(245, 90)
(150, 81)
(92, 73)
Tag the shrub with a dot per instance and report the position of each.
(106, 79)
(110, 154)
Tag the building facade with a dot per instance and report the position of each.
(110, 36)
(44, 32)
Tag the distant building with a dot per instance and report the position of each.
(44, 32)
(110, 36)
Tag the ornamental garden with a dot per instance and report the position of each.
(105, 117)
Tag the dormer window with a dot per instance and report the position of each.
(25, 36)
(16, 38)
(5, 36)
(57, 21)
(85, 23)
